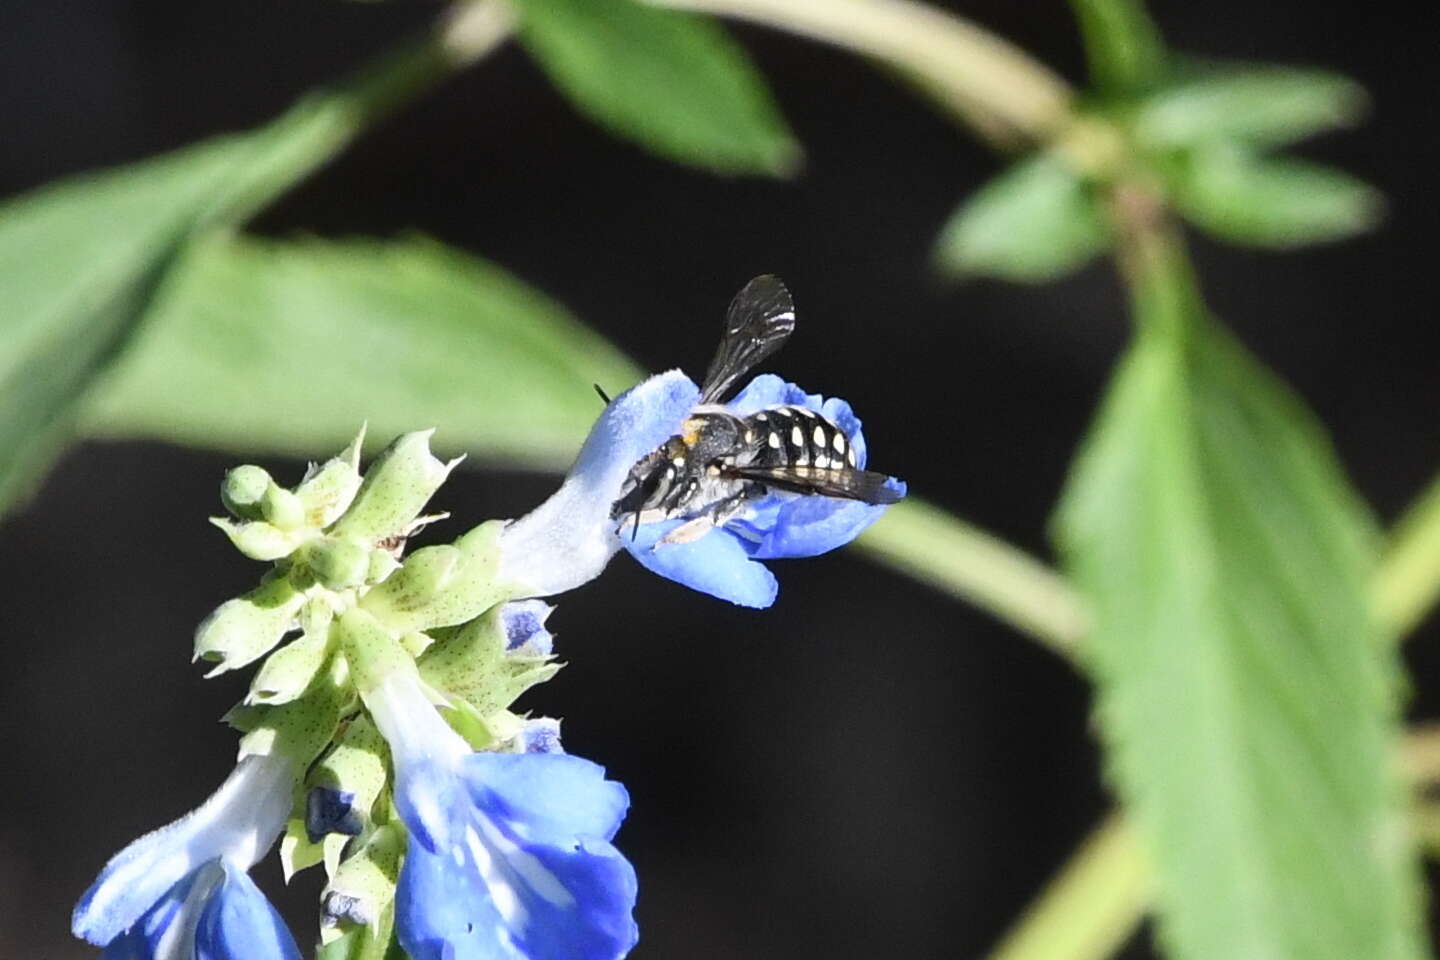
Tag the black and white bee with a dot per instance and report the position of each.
(720, 463)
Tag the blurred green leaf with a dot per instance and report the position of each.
(286, 347)
(673, 82)
(1262, 105)
(1249, 713)
(1275, 202)
(1032, 223)
(1123, 46)
(81, 260)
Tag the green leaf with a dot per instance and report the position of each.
(284, 347)
(1033, 223)
(1265, 106)
(1123, 46)
(1249, 713)
(673, 82)
(81, 261)
(1278, 203)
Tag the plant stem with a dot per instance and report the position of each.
(322, 124)
(1088, 910)
(971, 70)
(1408, 582)
(937, 548)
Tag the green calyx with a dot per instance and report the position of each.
(442, 586)
(471, 662)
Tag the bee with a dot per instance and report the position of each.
(719, 464)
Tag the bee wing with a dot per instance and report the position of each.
(845, 482)
(758, 322)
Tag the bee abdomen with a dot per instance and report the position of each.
(796, 436)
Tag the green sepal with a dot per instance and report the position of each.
(477, 730)
(373, 654)
(296, 851)
(368, 877)
(338, 564)
(282, 509)
(471, 662)
(302, 728)
(382, 564)
(365, 943)
(396, 488)
(1035, 222)
(244, 717)
(328, 490)
(356, 765)
(288, 672)
(442, 586)
(242, 630)
(259, 540)
(242, 490)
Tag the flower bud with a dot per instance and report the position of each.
(441, 586)
(288, 671)
(539, 735)
(354, 768)
(328, 490)
(331, 811)
(259, 540)
(281, 508)
(396, 487)
(524, 624)
(242, 489)
(244, 629)
(338, 564)
(364, 883)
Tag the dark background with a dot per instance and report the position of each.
(867, 770)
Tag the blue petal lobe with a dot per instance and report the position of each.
(526, 869)
(444, 911)
(552, 797)
(810, 526)
(141, 941)
(240, 924)
(716, 564)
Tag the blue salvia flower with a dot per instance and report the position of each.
(570, 538)
(183, 893)
(781, 525)
(509, 854)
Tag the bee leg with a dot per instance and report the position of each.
(714, 516)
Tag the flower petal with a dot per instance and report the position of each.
(238, 822)
(549, 797)
(716, 564)
(526, 869)
(568, 539)
(810, 526)
(240, 924)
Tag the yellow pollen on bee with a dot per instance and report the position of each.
(838, 443)
(796, 437)
(775, 440)
(819, 436)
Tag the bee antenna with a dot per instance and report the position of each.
(603, 395)
(635, 530)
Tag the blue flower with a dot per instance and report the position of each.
(724, 563)
(509, 854)
(182, 892)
